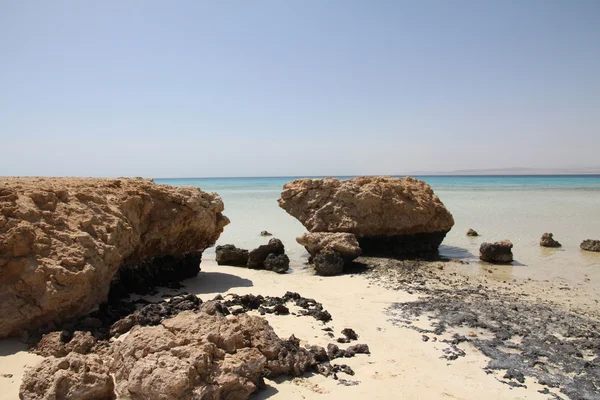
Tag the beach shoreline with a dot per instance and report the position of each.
(364, 299)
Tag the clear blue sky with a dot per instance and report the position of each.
(255, 88)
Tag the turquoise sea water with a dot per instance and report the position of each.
(520, 208)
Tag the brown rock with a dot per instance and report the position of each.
(195, 355)
(496, 253)
(57, 344)
(62, 240)
(387, 215)
(472, 232)
(548, 241)
(343, 243)
(76, 376)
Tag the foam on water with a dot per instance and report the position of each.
(519, 208)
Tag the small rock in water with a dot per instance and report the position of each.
(265, 233)
(548, 241)
(472, 232)
(496, 253)
(590, 245)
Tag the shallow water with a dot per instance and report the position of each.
(519, 208)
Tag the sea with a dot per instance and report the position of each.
(518, 208)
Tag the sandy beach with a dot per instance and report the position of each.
(401, 364)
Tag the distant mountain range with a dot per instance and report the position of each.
(516, 171)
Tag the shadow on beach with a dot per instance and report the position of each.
(215, 282)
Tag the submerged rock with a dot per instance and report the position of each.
(228, 254)
(63, 240)
(328, 263)
(345, 244)
(277, 263)
(472, 232)
(548, 241)
(257, 257)
(388, 216)
(590, 245)
(265, 233)
(496, 253)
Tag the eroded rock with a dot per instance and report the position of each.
(257, 257)
(328, 263)
(76, 376)
(63, 240)
(496, 253)
(279, 263)
(472, 232)
(345, 244)
(548, 241)
(590, 245)
(204, 356)
(388, 216)
(230, 255)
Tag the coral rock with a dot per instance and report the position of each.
(496, 253)
(230, 255)
(257, 257)
(396, 216)
(277, 263)
(76, 376)
(343, 243)
(548, 241)
(328, 263)
(590, 245)
(472, 232)
(63, 240)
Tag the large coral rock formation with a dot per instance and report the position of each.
(343, 243)
(400, 216)
(198, 356)
(63, 240)
(190, 356)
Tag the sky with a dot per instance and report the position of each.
(292, 88)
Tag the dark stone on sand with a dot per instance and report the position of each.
(257, 257)
(402, 246)
(279, 263)
(496, 253)
(228, 254)
(328, 263)
(472, 232)
(265, 233)
(548, 241)
(349, 334)
(590, 245)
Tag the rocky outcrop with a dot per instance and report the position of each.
(190, 356)
(328, 263)
(548, 241)
(230, 255)
(63, 240)
(496, 253)
(345, 244)
(472, 232)
(590, 245)
(388, 216)
(76, 376)
(279, 263)
(257, 257)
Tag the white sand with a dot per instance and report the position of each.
(401, 365)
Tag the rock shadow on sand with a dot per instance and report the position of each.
(215, 282)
